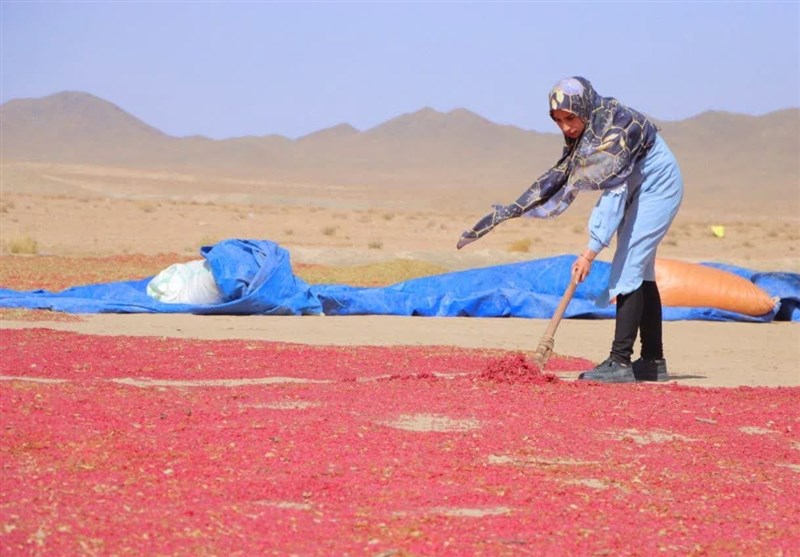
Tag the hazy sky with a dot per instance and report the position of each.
(255, 68)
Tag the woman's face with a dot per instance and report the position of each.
(571, 126)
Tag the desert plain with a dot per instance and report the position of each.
(94, 211)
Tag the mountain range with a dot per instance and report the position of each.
(725, 154)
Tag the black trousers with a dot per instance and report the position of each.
(638, 311)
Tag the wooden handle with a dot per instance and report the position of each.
(562, 307)
(547, 342)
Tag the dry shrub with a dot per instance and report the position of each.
(375, 244)
(25, 245)
(329, 230)
(146, 206)
(520, 246)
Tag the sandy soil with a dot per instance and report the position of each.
(79, 211)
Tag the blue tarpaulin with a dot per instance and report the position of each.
(256, 278)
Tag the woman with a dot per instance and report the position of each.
(615, 149)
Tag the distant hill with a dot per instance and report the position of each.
(722, 153)
(72, 126)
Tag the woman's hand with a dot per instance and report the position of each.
(582, 266)
(467, 238)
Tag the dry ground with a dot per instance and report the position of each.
(90, 211)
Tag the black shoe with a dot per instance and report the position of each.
(650, 370)
(610, 371)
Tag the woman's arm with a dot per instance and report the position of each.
(603, 223)
(606, 217)
(538, 193)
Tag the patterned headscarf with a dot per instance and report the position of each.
(614, 139)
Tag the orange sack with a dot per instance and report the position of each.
(692, 285)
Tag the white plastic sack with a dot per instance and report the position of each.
(185, 283)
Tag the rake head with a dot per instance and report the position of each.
(544, 350)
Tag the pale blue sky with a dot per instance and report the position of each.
(255, 68)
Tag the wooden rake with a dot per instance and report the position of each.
(547, 342)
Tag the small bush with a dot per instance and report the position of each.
(520, 246)
(375, 244)
(146, 206)
(329, 230)
(24, 245)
